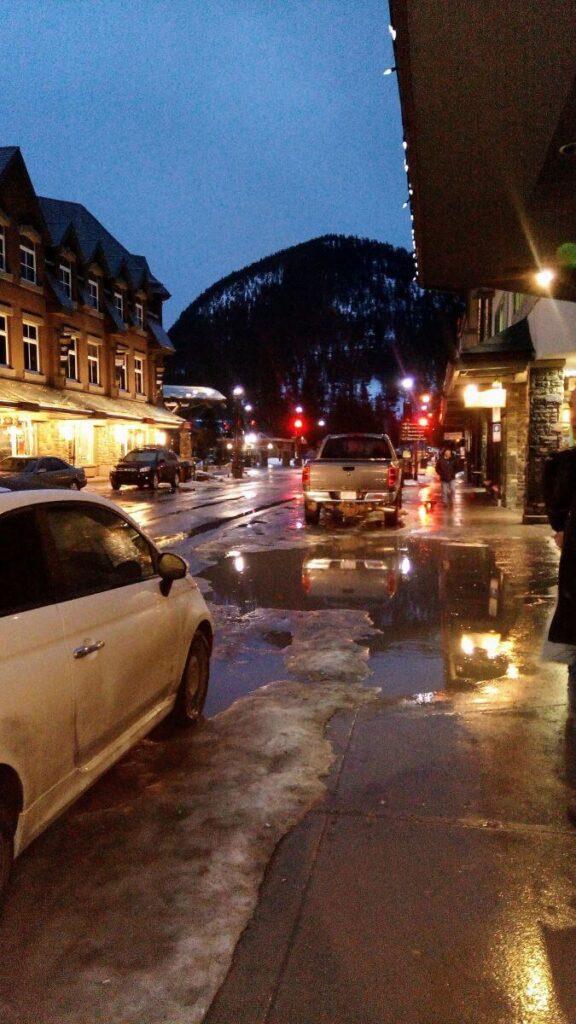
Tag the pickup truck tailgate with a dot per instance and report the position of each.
(348, 478)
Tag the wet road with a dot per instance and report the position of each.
(436, 880)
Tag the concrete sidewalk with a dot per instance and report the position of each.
(435, 883)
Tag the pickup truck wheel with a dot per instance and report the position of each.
(7, 829)
(194, 686)
(391, 518)
(311, 515)
(115, 485)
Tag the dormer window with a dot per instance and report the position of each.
(139, 314)
(65, 278)
(93, 293)
(27, 264)
(2, 249)
(119, 303)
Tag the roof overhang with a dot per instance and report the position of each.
(488, 97)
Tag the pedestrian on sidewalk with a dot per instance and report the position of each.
(446, 468)
(560, 498)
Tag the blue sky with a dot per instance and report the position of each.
(207, 134)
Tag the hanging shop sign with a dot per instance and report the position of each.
(490, 398)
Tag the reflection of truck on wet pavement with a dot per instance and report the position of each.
(353, 473)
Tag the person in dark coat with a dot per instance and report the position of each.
(560, 498)
(446, 468)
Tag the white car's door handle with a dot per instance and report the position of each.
(81, 652)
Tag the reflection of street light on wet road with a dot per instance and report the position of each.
(237, 463)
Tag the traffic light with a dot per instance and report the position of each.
(298, 424)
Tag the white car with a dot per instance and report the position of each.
(101, 636)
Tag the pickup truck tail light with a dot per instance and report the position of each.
(392, 477)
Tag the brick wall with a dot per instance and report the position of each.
(515, 444)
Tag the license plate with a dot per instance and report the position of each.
(348, 495)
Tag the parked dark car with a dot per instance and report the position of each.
(147, 467)
(27, 472)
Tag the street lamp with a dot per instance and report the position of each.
(321, 423)
(299, 410)
(407, 383)
(237, 460)
(248, 407)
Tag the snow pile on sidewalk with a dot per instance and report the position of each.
(130, 908)
(325, 645)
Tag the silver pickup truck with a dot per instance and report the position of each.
(353, 473)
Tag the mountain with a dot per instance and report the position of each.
(328, 323)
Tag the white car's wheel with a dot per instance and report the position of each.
(194, 686)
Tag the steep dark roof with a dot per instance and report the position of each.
(159, 334)
(6, 154)
(514, 341)
(61, 216)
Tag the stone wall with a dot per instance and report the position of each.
(515, 445)
(546, 394)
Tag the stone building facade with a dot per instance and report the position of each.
(521, 349)
(82, 346)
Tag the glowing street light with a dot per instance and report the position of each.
(544, 277)
(425, 399)
(299, 409)
(321, 423)
(238, 391)
(407, 383)
(248, 407)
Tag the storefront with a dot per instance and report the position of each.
(92, 431)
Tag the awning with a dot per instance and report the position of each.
(488, 100)
(40, 397)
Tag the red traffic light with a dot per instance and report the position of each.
(423, 421)
(298, 424)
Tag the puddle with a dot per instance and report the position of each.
(446, 615)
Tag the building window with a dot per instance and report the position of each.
(31, 348)
(72, 363)
(139, 314)
(518, 300)
(93, 293)
(122, 371)
(2, 249)
(27, 264)
(4, 352)
(65, 278)
(93, 363)
(139, 374)
(119, 303)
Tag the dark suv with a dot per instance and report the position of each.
(147, 467)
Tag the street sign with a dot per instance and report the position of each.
(411, 432)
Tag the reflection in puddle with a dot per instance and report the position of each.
(444, 611)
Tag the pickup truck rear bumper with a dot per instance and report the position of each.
(384, 500)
